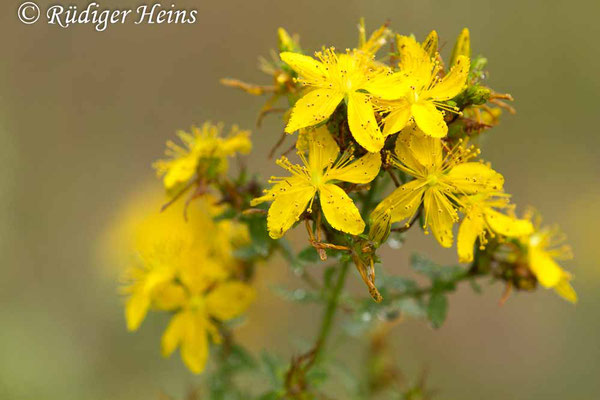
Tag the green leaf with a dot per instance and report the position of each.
(442, 276)
(411, 307)
(437, 308)
(297, 295)
(308, 255)
(261, 243)
(273, 368)
(475, 286)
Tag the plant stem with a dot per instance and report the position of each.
(426, 290)
(330, 311)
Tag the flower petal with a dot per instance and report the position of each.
(363, 170)
(453, 83)
(322, 149)
(362, 122)
(429, 119)
(389, 86)
(471, 227)
(401, 203)
(507, 226)
(228, 300)
(136, 309)
(405, 154)
(169, 296)
(474, 177)
(290, 185)
(174, 333)
(548, 273)
(415, 62)
(314, 107)
(307, 67)
(287, 208)
(179, 172)
(565, 290)
(398, 118)
(440, 216)
(339, 210)
(426, 150)
(194, 347)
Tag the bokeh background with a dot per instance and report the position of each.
(83, 114)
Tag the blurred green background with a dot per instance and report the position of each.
(83, 114)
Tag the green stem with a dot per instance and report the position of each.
(330, 311)
(426, 290)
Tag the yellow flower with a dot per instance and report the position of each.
(331, 79)
(187, 267)
(190, 327)
(439, 180)
(545, 246)
(482, 219)
(167, 247)
(318, 174)
(204, 151)
(417, 91)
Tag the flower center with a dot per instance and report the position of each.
(197, 303)
(432, 179)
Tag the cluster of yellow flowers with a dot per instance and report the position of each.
(411, 100)
(361, 123)
(203, 156)
(188, 269)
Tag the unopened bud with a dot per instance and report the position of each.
(462, 47)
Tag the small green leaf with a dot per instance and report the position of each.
(308, 255)
(437, 309)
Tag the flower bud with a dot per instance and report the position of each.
(462, 47)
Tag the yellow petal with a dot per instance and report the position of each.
(194, 347)
(398, 118)
(362, 122)
(339, 210)
(169, 296)
(453, 83)
(136, 309)
(228, 300)
(429, 119)
(307, 67)
(403, 150)
(180, 171)
(174, 333)
(470, 228)
(566, 291)
(548, 273)
(415, 62)
(507, 226)
(314, 107)
(363, 170)
(401, 203)
(287, 186)
(287, 208)
(440, 216)
(427, 150)
(322, 149)
(237, 142)
(389, 86)
(474, 177)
